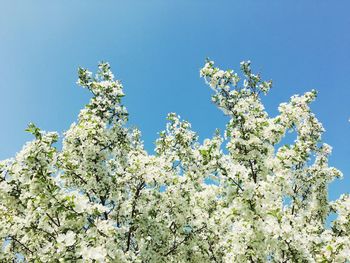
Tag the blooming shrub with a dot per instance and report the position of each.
(103, 198)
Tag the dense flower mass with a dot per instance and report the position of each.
(241, 197)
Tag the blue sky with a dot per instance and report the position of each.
(156, 47)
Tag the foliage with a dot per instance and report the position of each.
(240, 197)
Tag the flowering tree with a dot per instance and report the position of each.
(103, 198)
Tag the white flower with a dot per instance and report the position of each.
(67, 239)
(94, 253)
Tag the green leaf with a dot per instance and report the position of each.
(33, 129)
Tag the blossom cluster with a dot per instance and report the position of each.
(244, 196)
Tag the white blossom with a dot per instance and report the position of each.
(246, 196)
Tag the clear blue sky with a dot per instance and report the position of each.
(156, 47)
